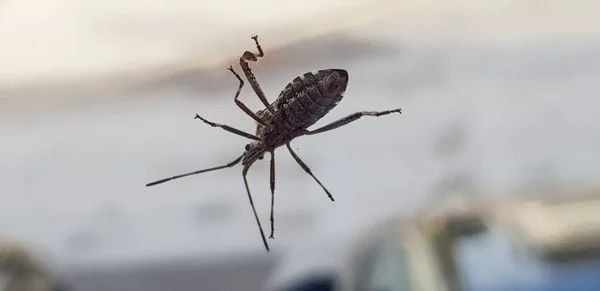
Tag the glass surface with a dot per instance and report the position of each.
(4, 279)
(389, 271)
(487, 262)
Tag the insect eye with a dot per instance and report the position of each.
(247, 147)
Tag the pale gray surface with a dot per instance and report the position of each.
(73, 181)
(245, 273)
(67, 41)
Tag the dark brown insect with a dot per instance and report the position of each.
(301, 104)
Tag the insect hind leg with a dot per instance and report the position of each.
(307, 170)
(350, 118)
(246, 57)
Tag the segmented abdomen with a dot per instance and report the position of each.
(302, 103)
(299, 105)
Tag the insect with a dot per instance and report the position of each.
(301, 104)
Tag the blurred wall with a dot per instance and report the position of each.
(57, 43)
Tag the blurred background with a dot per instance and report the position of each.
(97, 98)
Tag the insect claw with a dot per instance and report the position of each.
(206, 121)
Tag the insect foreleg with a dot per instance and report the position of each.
(350, 118)
(262, 233)
(227, 128)
(307, 170)
(252, 57)
(272, 181)
(239, 103)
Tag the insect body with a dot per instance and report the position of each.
(301, 104)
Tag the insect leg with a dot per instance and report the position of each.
(229, 165)
(307, 170)
(239, 103)
(272, 180)
(262, 233)
(350, 118)
(227, 128)
(249, 56)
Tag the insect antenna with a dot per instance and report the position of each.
(229, 165)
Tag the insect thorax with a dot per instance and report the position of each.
(277, 130)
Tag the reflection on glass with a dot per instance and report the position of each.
(390, 272)
(488, 262)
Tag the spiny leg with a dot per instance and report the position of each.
(229, 165)
(307, 170)
(239, 103)
(272, 180)
(350, 118)
(249, 56)
(262, 233)
(227, 128)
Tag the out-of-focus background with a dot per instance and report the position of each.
(97, 98)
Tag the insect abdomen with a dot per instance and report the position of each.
(306, 99)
